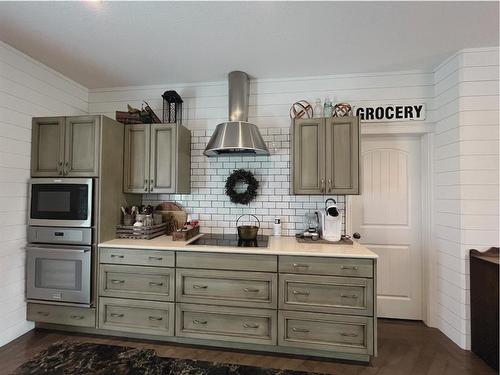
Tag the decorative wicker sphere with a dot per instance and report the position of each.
(342, 109)
(301, 109)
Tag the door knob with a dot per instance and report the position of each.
(356, 235)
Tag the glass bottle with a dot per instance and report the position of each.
(328, 108)
(318, 108)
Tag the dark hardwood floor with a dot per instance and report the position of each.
(405, 348)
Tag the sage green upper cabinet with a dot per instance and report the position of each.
(47, 146)
(65, 146)
(82, 146)
(136, 158)
(342, 155)
(326, 156)
(157, 159)
(308, 156)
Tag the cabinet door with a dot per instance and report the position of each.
(342, 155)
(308, 156)
(163, 158)
(47, 147)
(82, 146)
(136, 159)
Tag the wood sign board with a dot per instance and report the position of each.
(390, 112)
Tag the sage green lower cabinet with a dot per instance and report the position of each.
(58, 314)
(151, 317)
(220, 323)
(342, 333)
(299, 305)
(337, 295)
(152, 283)
(234, 288)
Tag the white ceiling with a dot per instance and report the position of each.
(107, 44)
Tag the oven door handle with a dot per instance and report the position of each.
(66, 249)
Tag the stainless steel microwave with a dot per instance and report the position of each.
(61, 202)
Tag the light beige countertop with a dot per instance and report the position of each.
(277, 246)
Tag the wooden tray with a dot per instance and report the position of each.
(185, 235)
(140, 233)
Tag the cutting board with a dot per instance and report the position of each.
(173, 214)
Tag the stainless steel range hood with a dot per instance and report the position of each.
(237, 136)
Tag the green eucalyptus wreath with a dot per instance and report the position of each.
(241, 176)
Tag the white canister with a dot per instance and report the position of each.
(277, 227)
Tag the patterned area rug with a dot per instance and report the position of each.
(68, 358)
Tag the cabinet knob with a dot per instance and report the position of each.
(66, 168)
(329, 185)
(322, 186)
(157, 318)
(250, 325)
(197, 322)
(60, 168)
(151, 184)
(145, 185)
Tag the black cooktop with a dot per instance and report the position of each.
(230, 240)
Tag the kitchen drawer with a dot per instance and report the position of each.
(328, 294)
(152, 283)
(133, 257)
(67, 315)
(255, 326)
(222, 261)
(230, 288)
(156, 318)
(339, 333)
(326, 266)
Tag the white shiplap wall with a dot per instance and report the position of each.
(205, 105)
(466, 178)
(27, 89)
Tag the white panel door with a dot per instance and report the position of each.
(387, 214)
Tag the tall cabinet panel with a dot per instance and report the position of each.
(342, 155)
(163, 159)
(309, 156)
(136, 158)
(82, 146)
(47, 147)
(325, 156)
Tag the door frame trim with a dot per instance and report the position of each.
(428, 254)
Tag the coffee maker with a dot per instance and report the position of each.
(330, 221)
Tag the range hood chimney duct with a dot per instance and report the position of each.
(237, 136)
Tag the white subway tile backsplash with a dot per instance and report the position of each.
(212, 207)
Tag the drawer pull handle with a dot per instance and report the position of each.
(77, 317)
(152, 283)
(251, 290)
(113, 315)
(198, 286)
(300, 265)
(301, 330)
(349, 334)
(354, 296)
(250, 325)
(353, 268)
(114, 281)
(43, 313)
(117, 256)
(155, 258)
(157, 318)
(300, 292)
(197, 322)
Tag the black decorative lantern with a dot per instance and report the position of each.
(172, 107)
